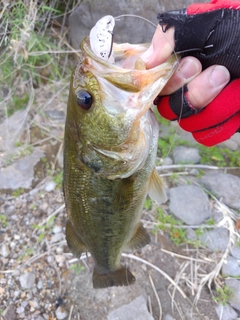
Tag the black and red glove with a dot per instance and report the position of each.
(211, 33)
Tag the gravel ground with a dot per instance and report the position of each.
(40, 279)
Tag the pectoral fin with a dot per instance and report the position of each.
(140, 239)
(73, 241)
(156, 189)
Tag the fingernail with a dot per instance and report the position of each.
(188, 69)
(219, 76)
(147, 55)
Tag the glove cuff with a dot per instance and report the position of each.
(176, 106)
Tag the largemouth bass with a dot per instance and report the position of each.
(110, 147)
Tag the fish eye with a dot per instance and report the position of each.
(84, 99)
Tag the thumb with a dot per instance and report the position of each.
(161, 48)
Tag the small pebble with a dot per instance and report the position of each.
(60, 258)
(5, 251)
(17, 293)
(12, 245)
(167, 161)
(44, 206)
(50, 186)
(20, 309)
(40, 284)
(24, 303)
(59, 250)
(14, 217)
(61, 313)
(194, 172)
(10, 209)
(50, 259)
(27, 280)
(57, 229)
(4, 261)
(57, 237)
(33, 304)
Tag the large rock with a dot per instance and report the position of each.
(231, 267)
(226, 312)
(11, 130)
(190, 204)
(21, 173)
(182, 154)
(215, 239)
(137, 309)
(234, 285)
(128, 29)
(224, 186)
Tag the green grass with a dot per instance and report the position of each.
(18, 192)
(217, 156)
(44, 228)
(77, 268)
(3, 220)
(221, 157)
(223, 295)
(30, 55)
(167, 222)
(58, 178)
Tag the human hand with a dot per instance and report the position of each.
(221, 118)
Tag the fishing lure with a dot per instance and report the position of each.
(101, 38)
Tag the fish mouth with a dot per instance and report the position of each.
(126, 91)
(128, 84)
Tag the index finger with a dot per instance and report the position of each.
(160, 49)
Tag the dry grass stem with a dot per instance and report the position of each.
(45, 221)
(70, 312)
(173, 254)
(150, 305)
(157, 297)
(131, 256)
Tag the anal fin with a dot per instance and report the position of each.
(140, 239)
(119, 277)
(75, 244)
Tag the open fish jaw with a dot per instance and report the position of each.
(125, 96)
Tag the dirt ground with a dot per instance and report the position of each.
(60, 280)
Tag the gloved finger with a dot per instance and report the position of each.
(219, 133)
(207, 31)
(188, 69)
(198, 93)
(222, 108)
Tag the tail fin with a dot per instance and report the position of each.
(119, 277)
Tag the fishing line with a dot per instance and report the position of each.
(176, 55)
(135, 16)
